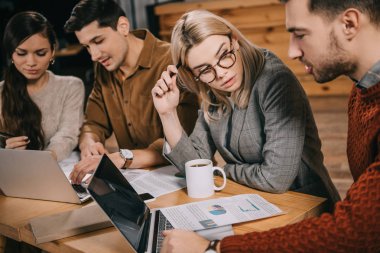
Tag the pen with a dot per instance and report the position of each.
(178, 80)
(8, 135)
(179, 64)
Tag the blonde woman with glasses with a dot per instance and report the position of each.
(254, 111)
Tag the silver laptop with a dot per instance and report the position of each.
(35, 174)
(128, 212)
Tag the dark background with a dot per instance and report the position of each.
(57, 12)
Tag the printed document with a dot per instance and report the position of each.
(67, 165)
(158, 182)
(132, 174)
(218, 212)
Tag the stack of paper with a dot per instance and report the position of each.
(157, 182)
(218, 212)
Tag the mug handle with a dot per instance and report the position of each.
(216, 188)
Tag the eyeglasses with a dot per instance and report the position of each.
(226, 61)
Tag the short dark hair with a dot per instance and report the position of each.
(331, 8)
(106, 12)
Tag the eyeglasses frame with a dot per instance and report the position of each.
(232, 52)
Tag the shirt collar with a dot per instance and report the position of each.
(145, 58)
(371, 78)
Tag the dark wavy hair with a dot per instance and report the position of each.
(20, 115)
(106, 12)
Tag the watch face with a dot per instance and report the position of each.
(127, 153)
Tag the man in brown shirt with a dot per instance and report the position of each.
(127, 65)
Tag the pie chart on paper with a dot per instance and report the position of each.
(216, 210)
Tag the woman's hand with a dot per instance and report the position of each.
(165, 93)
(19, 142)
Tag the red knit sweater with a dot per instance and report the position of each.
(355, 224)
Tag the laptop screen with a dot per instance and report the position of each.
(121, 203)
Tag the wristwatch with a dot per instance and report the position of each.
(127, 156)
(212, 247)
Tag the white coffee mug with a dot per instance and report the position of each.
(200, 178)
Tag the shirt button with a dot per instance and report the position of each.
(129, 124)
(126, 102)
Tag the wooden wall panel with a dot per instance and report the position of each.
(262, 22)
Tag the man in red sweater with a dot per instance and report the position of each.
(331, 38)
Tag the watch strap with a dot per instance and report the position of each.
(127, 161)
(212, 245)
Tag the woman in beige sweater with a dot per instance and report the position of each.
(38, 109)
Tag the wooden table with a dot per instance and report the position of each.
(15, 213)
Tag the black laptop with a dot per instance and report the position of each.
(128, 212)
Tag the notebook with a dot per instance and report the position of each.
(35, 174)
(128, 212)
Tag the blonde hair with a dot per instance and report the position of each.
(193, 28)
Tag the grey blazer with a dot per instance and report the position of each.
(272, 145)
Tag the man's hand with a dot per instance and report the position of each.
(85, 166)
(89, 149)
(89, 164)
(183, 241)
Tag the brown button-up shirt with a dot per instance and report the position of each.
(126, 107)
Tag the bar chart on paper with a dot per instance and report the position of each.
(219, 212)
(250, 208)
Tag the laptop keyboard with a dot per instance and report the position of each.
(163, 224)
(80, 190)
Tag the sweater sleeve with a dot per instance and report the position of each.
(353, 227)
(65, 138)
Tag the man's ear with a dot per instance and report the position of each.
(123, 25)
(350, 22)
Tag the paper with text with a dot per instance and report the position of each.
(218, 212)
(132, 174)
(67, 165)
(159, 181)
(156, 182)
